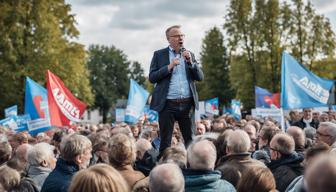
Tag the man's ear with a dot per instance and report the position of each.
(78, 159)
(44, 163)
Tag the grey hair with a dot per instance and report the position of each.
(283, 143)
(331, 128)
(73, 145)
(166, 178)
(39, 153)
(238, 141)
(202, 155)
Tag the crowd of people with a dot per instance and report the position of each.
(225, 155)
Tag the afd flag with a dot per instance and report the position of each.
(137, 98)
(266, 99)
(36, 100)
(36, 106)
(301, 88)
(235, 109)
(211, 106)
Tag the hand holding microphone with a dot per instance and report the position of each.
(186, 55)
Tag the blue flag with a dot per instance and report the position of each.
(36, 105)
(211, 106)
(266, 99)
(300, 88)
(235, 109)
(137, 98)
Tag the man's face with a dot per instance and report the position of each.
(200, 129)
(85, 159)
(322, 135)
(175, 38)
(307, 114)
(274, 153)
(316, 115)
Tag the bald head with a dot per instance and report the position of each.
(298, 135)
(202, 155)
(238, 142)
(22, 152)
(166, 178)
(142, 145)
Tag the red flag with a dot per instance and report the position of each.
(63, 106)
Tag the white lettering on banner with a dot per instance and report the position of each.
(312, 89)
(67, 108)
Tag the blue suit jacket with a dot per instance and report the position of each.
(160, 77)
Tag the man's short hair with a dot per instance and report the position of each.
(170, 28)
(39, 153)
(238, 142)
(202, 155)
(283, 143)
(166, 178)
(298, 135)
(321, 174)
(74, 145)
(330, 128)
(122, 150)
(177, 155)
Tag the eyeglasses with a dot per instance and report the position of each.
(274, 149)
(321, 134)
(178, 36)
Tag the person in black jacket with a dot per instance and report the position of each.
(285, 164)
(173, 71)
(307, 120)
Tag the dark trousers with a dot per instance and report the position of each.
(182, 112)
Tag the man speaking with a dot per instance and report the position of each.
(173, 72)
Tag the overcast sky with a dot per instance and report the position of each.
(137, 26)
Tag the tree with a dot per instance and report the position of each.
(216, 69)
(109, 70)
(258, 31)
(137, 73)
(36, 36)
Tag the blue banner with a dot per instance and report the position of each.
(36, 105)
(151, 115)
(137, 98)
(301, 88)
(212, 106)
(22, 122)
(235, 109)
(120, 114)
(9, 122)
(11, 111)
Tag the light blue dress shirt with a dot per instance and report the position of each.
(179, 86)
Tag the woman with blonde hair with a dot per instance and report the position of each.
(98, 178)
(257, 179)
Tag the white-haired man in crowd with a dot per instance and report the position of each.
(41, 161)
(201, 176)
(166, 178)
(75, 155)
(327, 133)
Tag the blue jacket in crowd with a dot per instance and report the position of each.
(59, 179)
(205, 181)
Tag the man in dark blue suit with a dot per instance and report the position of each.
(173, 72)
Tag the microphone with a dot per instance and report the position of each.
(182, 49)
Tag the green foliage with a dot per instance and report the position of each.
(257, 33)
(216, 68)
(110, 71)
(137, 73)
(36, 36)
